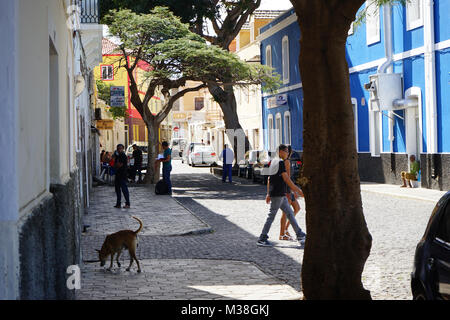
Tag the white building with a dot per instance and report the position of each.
(47, 55)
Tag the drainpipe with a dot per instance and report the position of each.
(389, 53)
(406, 103)
(430, 76)
(388, 46)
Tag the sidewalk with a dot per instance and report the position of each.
(161, 215)
(163, 278)
(395, 190)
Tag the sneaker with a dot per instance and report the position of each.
(302, 240)
(264, 243)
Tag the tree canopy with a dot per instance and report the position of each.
(160, 52)
(190, 11)
(176, 55)
(226, 16)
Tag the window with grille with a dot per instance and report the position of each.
(199, 103)
(107, 73)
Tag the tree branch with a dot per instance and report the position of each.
(168, 106)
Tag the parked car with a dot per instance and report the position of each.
(144, 147)
(263, 161)
(296, 164)
(188, 151)
(245, 166)
(430, 279)
(242, 165)
(203, 155)
(178, 145)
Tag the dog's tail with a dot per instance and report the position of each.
(141, 225)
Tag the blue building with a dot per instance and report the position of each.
(283, 113)
(399, 66)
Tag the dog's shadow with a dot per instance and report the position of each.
(116, 271)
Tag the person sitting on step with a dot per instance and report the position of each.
(413, 172)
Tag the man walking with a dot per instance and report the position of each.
(167, 164)
(120, 183)
(137, 156)
(227, 157)
(278, 183)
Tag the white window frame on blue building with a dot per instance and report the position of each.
(372, 22)
(414, 14)
(279, 130)
(285, 59)
(270, 132)
(287, 128)
(269, 55)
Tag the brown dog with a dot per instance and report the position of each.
(114, 243)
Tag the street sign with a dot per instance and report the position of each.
(179, 115)
(281, 99)
(277, 100)
(105, 124)
(117, 96)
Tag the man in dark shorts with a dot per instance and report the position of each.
(279, 181)
(120, 182)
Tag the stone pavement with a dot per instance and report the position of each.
(164, 279)
(161, 215)
(397, 224)
(204, 247)
(179, 279)
(396, 217)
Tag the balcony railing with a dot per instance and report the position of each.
(89, 11)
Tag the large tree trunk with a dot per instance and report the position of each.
(152, 175)
(338, 241)
(227, 101)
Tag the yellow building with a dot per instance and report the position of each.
(250, 30)
(110, 72)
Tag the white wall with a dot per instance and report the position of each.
(44, 136)
(248, 100)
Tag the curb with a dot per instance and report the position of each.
(206, 230)
(394, 193)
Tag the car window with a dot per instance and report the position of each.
(203, 149)
(443, 232)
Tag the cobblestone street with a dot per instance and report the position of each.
(201, 243)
